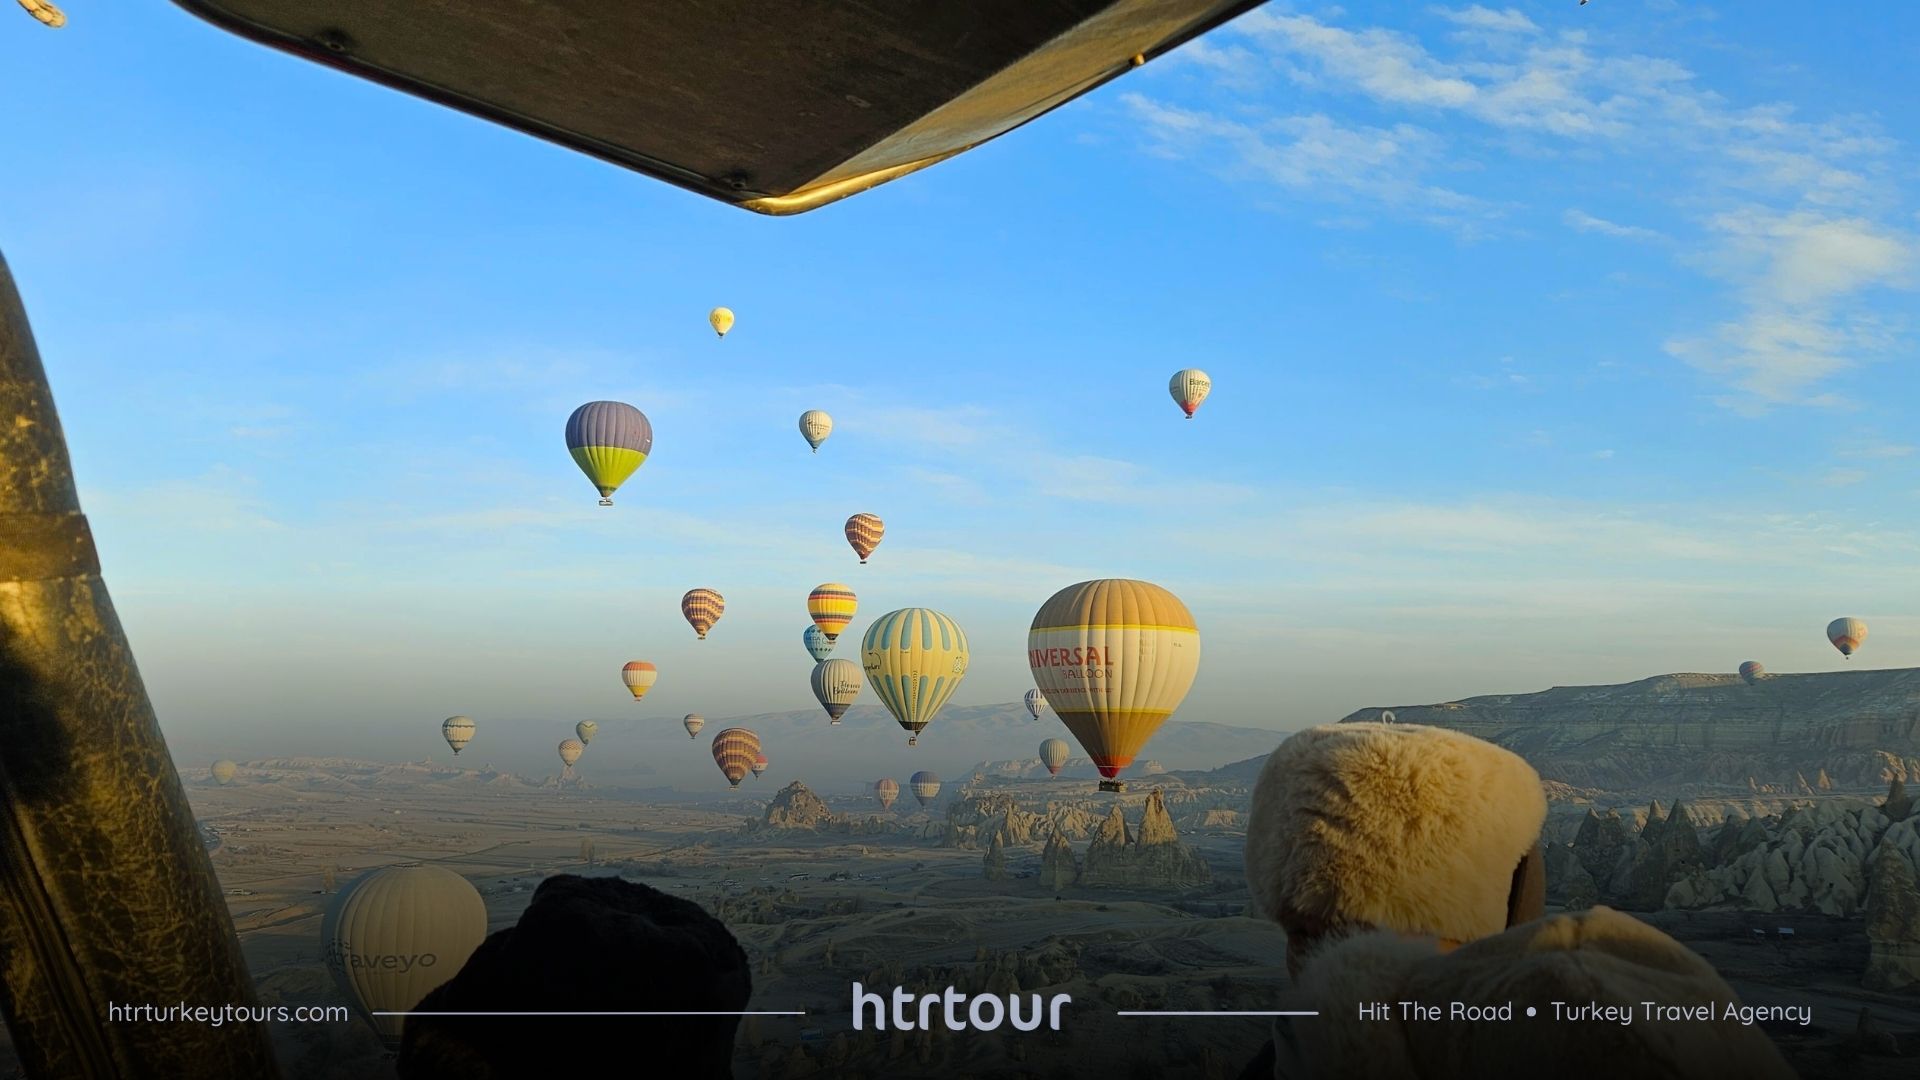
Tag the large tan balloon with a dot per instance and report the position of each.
(395, 934)
(570, 750)
(1114, 657)
(224, 771)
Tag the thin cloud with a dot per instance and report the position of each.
(1585, 222)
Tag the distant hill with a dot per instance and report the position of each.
(1678, 732)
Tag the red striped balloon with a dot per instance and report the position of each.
(864, 532)
(735, 751)
(703, 608)
(886, 791)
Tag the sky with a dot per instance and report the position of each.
(1551, 344)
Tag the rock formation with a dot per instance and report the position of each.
(1154, 859)
(1058, 866)
(1898, 805)
(996, 860)
(797, 807)
(972, 821)
(1893, 921)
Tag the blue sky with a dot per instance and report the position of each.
(1551, 344)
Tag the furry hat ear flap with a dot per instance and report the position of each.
(1397, 826)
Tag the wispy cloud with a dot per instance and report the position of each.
(1584, 222)
(1797, 214)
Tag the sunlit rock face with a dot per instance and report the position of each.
(1154, 857)
(1845, 730)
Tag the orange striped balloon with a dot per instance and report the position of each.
(703, 608)
(735, 751)
(639, 675)
(864, 532)
(832, 606)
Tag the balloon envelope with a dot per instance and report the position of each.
(586, 729)
(819, 645)
(639, 677)
(832, 606)
(1751, 671)
(836, 683)
(915, 659)
(570, 751)
(1189, 387)
(886, 791)
(759, 764)
(815, 426)
(1115, 658)
(1847, 635)
(608, 440)
(864, 532)
(395, 934)
(721, 319)
(925, 786)
(693, 723)
(1053, 754)
(224, 772)
(735, 751)
(702, 608)
(1036, 701)
(458, 731)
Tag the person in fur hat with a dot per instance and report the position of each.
(1394, 827)
(1404, 863)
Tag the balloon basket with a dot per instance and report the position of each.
(1113, 785)
(913, 740)
(606, 502)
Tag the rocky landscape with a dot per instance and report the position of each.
(1689, 733)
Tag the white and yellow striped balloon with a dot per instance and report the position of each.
(693, 723)
(915, 659)
(1114, 657)
(1189, 387)
(639, 677)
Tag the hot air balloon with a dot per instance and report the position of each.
(759, 765)
(864, 532)
(569, 753)
(836, 683)
(1189, 387)
(832, 606)
(735, 750)
(1036, 701)
(815, 426)
(458, 731)
(1053, 754)
(1751, 672)
(925, 786)
(45, 12)
(886, 791)
(819, 645)
(915, 659)
(223, 772)
(395, 934)
(608, 440)
(639, 675)
(1847, 635)
(693, 723)
(721, 319)
(1115, 657)
(586, 729)
(703, 608)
